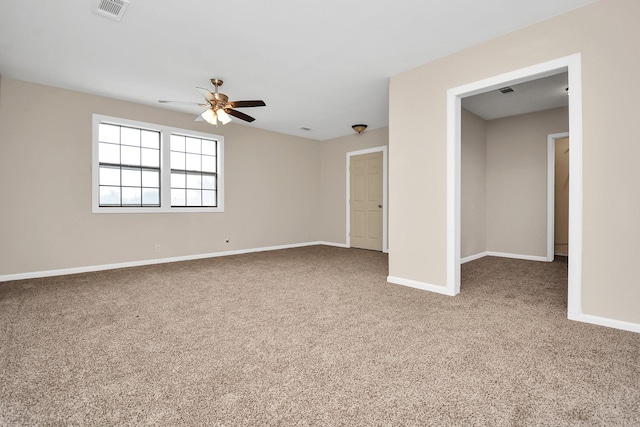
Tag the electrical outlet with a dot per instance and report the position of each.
(157, 248)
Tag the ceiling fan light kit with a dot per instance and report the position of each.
(219, 108)
(223, 116)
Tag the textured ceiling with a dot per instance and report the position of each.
(322, 65)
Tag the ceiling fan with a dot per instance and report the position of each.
(218, 107)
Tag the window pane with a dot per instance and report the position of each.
(150, 196)
(177, 197)
(177, 160)
(193, 145)
(177, 143)
(193, 198)
(131, 196)
(194, 181)
(109, 196)
(130, 136)
(208, 163)
(130, 155)
(150, 157)
(131, 177)
(151, 179)
(108, 153)
(208, 198)
(209, 182)
(178, 180)
(108, 133)
(109, 176)
(150, 139)
(193, 162)
(209, 147)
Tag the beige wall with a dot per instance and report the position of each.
(517, 181)
(279, 189)
(473, 194)
(504, 182)
(272, 187)
(334, 179)
(606, 34)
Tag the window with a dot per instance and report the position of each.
(129, 162)
(193, 171)
(142, 167)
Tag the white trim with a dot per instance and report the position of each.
(454, 182)
(473, 257)
(165, 177)
(502, 255)
(385, 192)
(419, 285)
(517, 256)
(336, 245)
(76, 270)
(575, 189)
(572, 64)
(551, 192)
(603, 321)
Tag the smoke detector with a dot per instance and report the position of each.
(112, 9)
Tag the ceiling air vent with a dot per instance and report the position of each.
(505, 90)
(112, 9)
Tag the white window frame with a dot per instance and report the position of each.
(165, 168)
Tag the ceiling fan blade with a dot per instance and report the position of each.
(208, 95)
(182, 102)
(245, 104)
(239, 115)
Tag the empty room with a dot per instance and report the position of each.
(223, 213)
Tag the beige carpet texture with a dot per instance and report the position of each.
(311, 336)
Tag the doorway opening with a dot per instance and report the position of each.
(557, 195)
(571, 65)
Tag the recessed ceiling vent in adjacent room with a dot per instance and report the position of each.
(112, 9)
(505, 90)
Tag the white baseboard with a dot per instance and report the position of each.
(337, 245)
(518, 256)
(420, 285)
(473, 257)
(503, 255)
(86, 269)
(603, 321)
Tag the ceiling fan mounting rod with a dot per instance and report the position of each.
(216, 83)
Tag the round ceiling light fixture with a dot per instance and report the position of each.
(359, 128)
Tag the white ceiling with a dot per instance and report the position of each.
(324, 65)
(535, 95)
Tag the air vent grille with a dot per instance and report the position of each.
(112, 9)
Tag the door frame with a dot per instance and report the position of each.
(551, 191)
(385, 247)
(570, 64)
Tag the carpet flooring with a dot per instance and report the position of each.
(309, 336)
